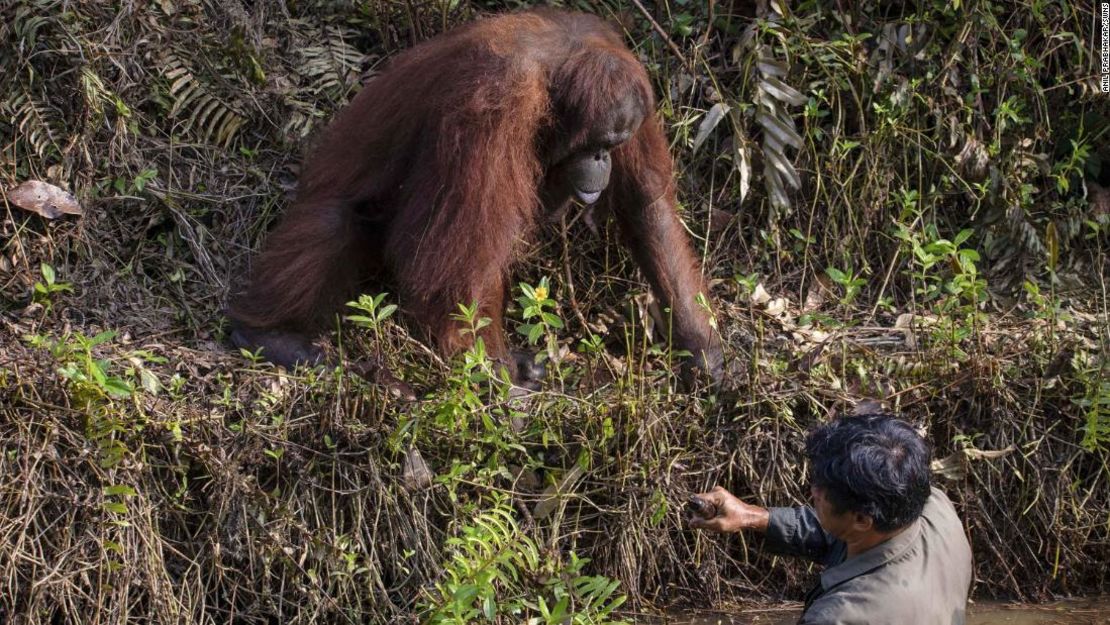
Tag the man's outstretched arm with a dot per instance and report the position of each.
(789, 531)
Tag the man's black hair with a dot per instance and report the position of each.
(874, 464)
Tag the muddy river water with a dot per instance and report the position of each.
(1093, 611)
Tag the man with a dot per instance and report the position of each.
(894, 549)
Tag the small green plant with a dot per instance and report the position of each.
(947, 279)
(847, 279)
(1072, 167)
(90, 378)
(490, 574)
(461, 404)
(253, 355)
(933, 254)
(375, 313)
(137, 184)
(476, 365)
(97, 384)
(116, 498)
(1010, 113)
(45, 290)
(746, 282)
(539, 323)
(578, 598)
(1093, 399)
(799, 242)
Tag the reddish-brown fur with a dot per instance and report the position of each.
(433, 177)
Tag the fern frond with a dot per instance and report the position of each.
(197, 107)
(35, 124)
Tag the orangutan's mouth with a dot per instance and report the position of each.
(587, 197)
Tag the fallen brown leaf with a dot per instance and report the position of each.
(44, 199)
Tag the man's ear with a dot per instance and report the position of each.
(862, 522)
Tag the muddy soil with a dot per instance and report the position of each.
(1091, 611)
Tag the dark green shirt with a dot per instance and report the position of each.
(919, 577)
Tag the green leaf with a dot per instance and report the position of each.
(465, 594)
(103, 337)
(117, 387)
(552, 320)
(660, 509)
(119, 490)
(96, 370)
(47, 273)
(143, 178)
(939, 247)
(560, 609)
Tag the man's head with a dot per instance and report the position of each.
(869, 473)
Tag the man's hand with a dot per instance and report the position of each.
(732, 515)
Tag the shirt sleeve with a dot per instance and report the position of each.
(797, 532)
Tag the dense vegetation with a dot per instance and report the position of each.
(899, 202)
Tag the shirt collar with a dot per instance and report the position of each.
(873, 558)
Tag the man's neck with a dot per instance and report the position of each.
(859, 544)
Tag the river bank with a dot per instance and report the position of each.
(1084, 611)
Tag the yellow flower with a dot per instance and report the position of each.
(541, 293)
